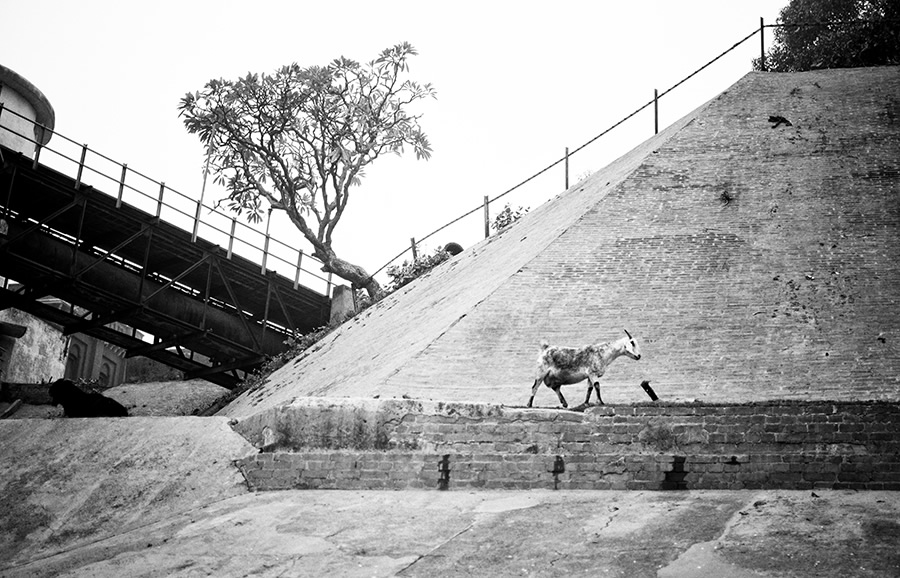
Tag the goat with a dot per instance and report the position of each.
(558, 366)
(77, 403)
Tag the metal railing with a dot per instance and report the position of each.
(156, 198)
(268, 247)
(654, 102)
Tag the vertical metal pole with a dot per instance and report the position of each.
(328, 289)
(196, 224)
(265, 321)
(121, 185)
(81, 166)
(655, 111)
(37, 151)
(159, 203)
(567, 168)
(412, 243)
(297, 273)
(231, 238)
(487, 219)
(262, 269)
(762, 45)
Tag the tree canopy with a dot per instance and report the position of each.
(299, 139)
(815, 34)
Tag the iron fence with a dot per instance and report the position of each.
(191, 215)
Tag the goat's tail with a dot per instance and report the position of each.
(544, 344)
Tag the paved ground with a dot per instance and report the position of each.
(159, 497)
(534, 533)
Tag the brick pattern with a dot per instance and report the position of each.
(751, 263)
(652, 447)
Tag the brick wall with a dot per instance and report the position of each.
(406, 443)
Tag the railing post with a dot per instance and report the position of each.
(196, 223)
(121, 185)
(487, 219)
(37, 152)
(81, 166)
(655, 111)
(297, 273)
(412, 243)
(328, 288)
(567, 168)
(262, 269)
(231, 238)
(159, 202)
(762, 45)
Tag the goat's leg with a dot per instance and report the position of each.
(534, 388)
(597, 389)
(594, 382)
(587, 399)
(562, 400)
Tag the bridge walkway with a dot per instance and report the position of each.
(112, 262)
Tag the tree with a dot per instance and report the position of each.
(834, 34)
(298, 140)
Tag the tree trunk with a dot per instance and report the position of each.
(353, 273)
(331, 263)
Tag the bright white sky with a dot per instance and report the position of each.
(517, 82)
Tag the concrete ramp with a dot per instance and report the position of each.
(71, 482)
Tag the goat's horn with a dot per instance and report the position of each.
(626, 333)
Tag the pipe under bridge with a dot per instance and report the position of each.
(213, 314)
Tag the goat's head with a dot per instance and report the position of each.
(631, 347)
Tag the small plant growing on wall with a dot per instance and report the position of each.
(402, 274)
(507, 216)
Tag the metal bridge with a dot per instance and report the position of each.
(211, 312)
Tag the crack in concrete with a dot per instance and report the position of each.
(702, 561)
(436, 548)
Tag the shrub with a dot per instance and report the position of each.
(507, 216)
(402, 274)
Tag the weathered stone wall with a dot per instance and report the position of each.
(39, 355)
(402, 444)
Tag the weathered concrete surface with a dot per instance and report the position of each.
(39, 355)
(69, 482)
(536, 533)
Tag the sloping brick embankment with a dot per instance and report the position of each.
(750, 261)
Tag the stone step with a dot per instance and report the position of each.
(398, 444)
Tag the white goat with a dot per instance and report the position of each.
(558, 366)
